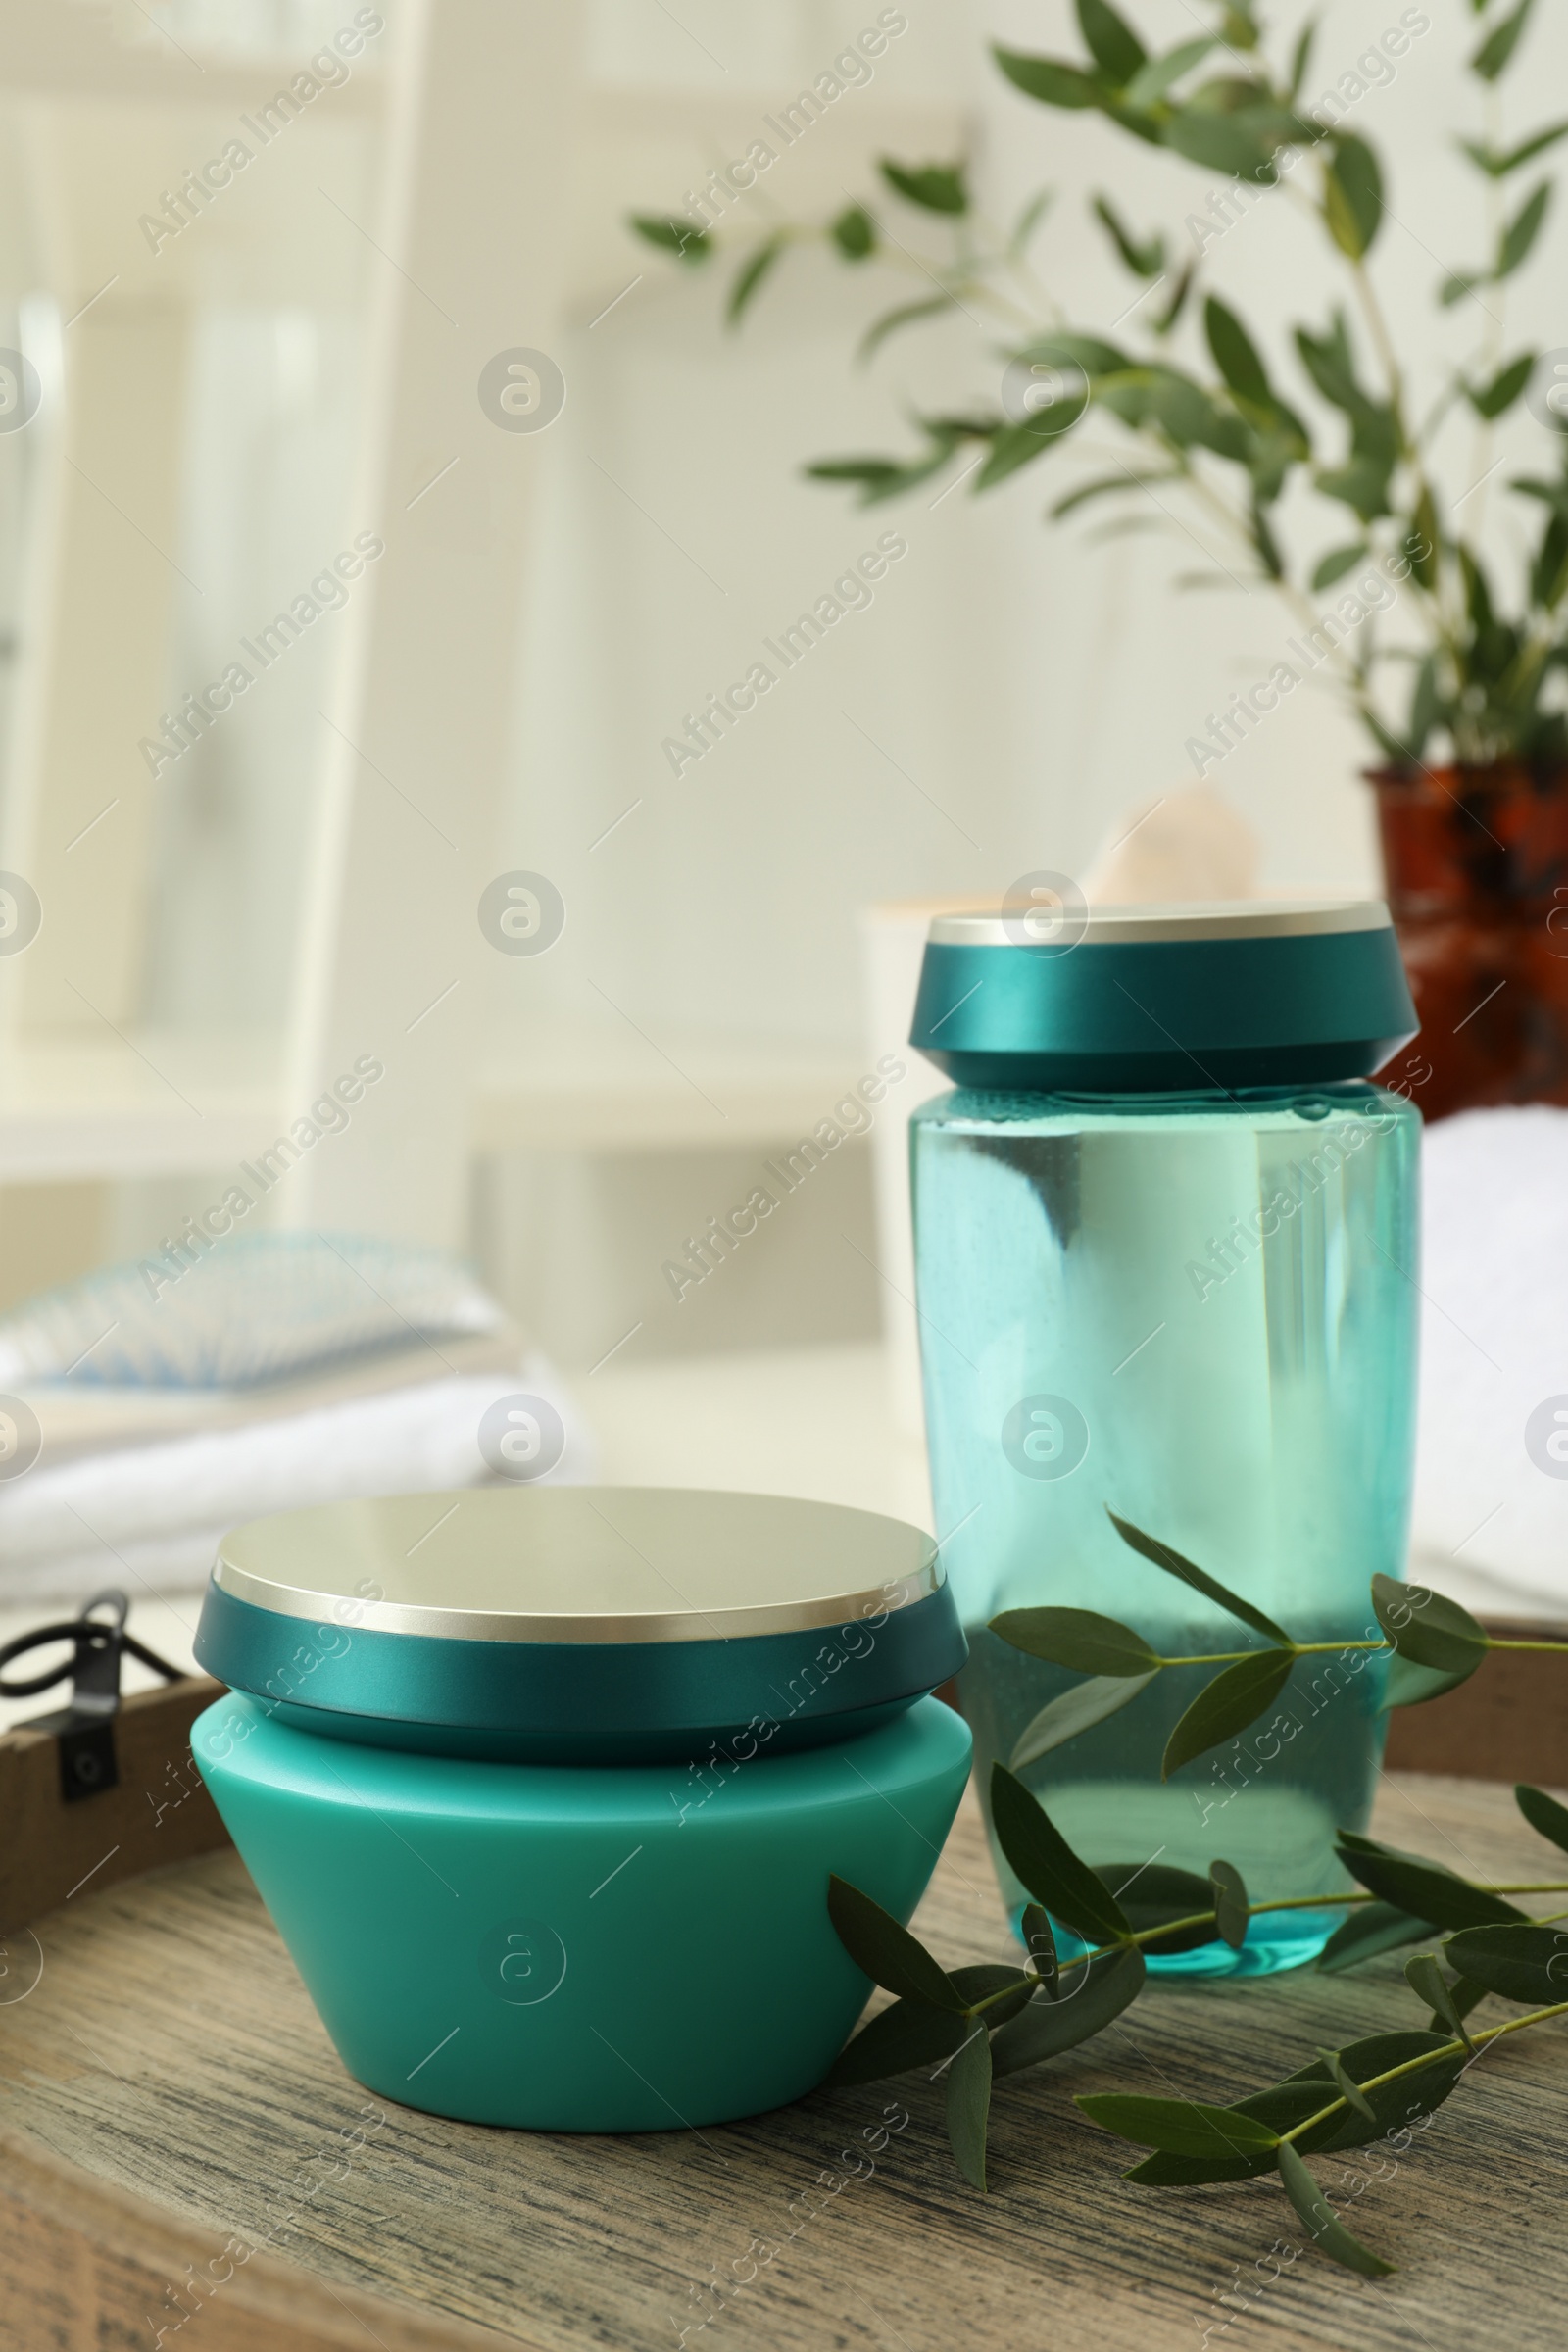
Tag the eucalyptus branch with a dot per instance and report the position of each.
(1429, 1642)
(1164, 1930)
(1444, 2052)
(974, 2025)
(1308, 1649)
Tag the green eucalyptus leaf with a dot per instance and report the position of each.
(1078, 1639)
(1234, 353)
(1161, 396)
(1362, 485)
(1268, 470)
(1156, 75)
(1518, 239)
(1465, 1995)
(1341, 560)
(1091, 355)
(1179, 2126)
(1016, 445)
(1050, 79)
(1544, 1815)
(1427, 1626)
(877, 478)
(1350, 2093)
(1408, 1685)
(1495, 51)
(1134, 526)
(1331, 363)
(903, 315)
(1076, 1710)
(933, 187)
(1478, 605)
(1221, 143)
(1393, 2105)
(1318, 2216)
(1555, 494)
(1103, 485)
(1300, 57)
(1232, 1915)
(1142, 121)
(1041, 1944)
(898, 2039)
(1497, 162)
(1491, 399)
(1046, 1864)
(1111, 42)
(969, 2106)
(1359, 1843)
(1090, 1998)
(1165, 2170)
(1235, 1697)
(1029, 219)
(673, 234)
(853, 232)
(1178, 302)
(1424, 1975)
(1423, 541)
(1352, 197)
(749, 276)
(1175, 1565)
(1146, 260)
(986, 1978)
(1426, 1891)
(1525, 1963)
(1371, 1929)
(1153, 1895)
(888, 1953)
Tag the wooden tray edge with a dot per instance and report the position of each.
(83, 2263)
(1509, 1722)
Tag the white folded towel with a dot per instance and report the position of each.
(148, 1516)
(151, 1407)
(1493, 1352)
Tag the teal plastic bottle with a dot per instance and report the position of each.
(1166, 1262)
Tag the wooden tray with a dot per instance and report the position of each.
(168, 2091)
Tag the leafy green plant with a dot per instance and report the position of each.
(980, 2024)
(1202, 429)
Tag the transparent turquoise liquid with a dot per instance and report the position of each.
(1222, 1290)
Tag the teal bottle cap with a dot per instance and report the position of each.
(1155, 1000)
(580, 1624)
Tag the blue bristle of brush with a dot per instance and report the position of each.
(255, 1307)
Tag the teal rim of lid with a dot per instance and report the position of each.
(1152, 1000)
(580, 1624)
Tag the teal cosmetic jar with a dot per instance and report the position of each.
(543, 1786)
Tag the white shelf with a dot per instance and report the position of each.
(585, 1086)
(149, 1106)
(160, 1106)
(68, 52)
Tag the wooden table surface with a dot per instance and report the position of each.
(168, 2050)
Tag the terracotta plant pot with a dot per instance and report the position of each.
(1476, 867)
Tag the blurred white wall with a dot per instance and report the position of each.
(1010, 693)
